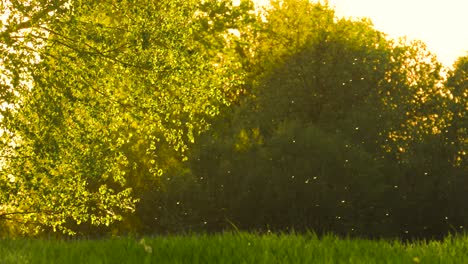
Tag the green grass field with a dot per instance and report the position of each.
(233, 248)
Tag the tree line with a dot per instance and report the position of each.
(177, 116)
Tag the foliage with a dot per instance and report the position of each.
(94, 92)
(457, 104)
(341, 135)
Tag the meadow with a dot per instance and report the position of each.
(234, 248)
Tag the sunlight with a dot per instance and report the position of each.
(441, 25)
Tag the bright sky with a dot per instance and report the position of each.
(441, 24)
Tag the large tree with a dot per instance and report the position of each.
(92, 89)
(343, 131)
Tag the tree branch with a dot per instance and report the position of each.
(32, 22)
(6, 215)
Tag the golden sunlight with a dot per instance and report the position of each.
(439, 24)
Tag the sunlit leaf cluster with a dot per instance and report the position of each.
(89, 85)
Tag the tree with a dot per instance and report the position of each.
(292, 153)
(340, 133)
(457, 95)
(91, 90)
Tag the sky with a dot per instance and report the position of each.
(441, 24)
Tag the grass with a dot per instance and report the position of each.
(233, 248)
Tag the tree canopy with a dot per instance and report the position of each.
(91, 89)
